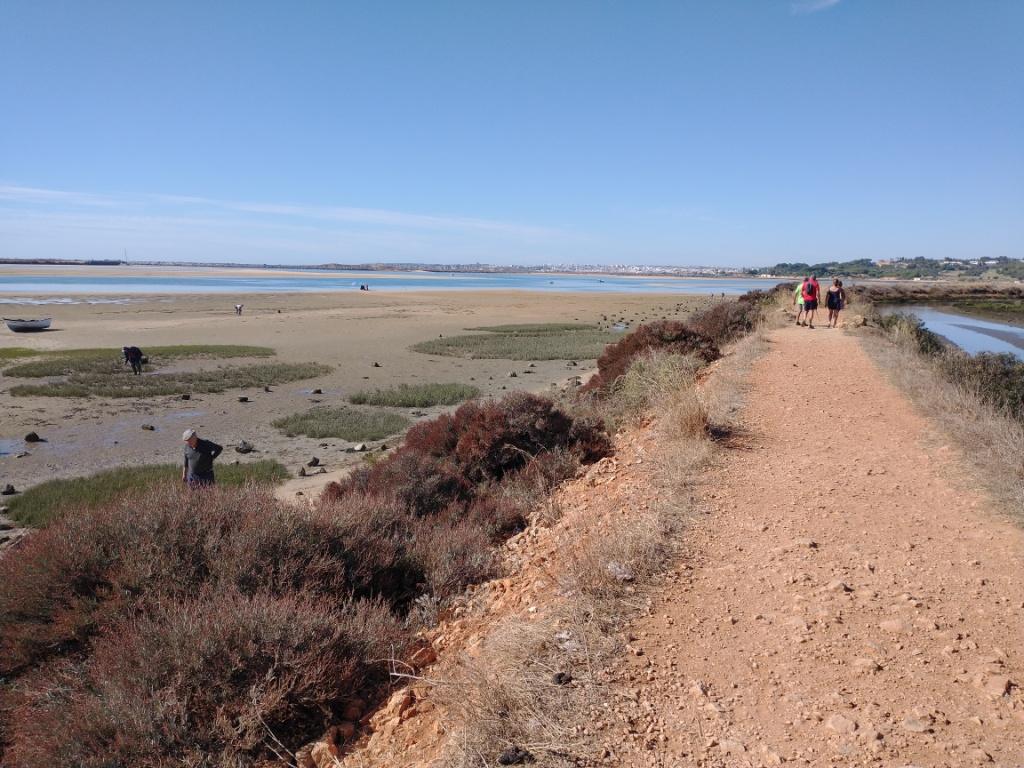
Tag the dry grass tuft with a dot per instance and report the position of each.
(989, 438)
(505, 697)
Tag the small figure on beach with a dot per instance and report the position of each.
(810, 291)
(798, 300)
(199, 455)
(835, 300)
(238, 308)
(364, 287)
(133, 357)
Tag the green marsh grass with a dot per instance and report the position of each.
(109, 360)
(343, 423)
(201, 381)
(47, 501)
(534, 329)
(416, 395)
(8, 354)
(547, 341)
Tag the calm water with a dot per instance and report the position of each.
(970, 333)
(97, 287)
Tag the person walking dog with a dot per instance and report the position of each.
(199, 455)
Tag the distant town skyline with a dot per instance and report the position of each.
(663, 133)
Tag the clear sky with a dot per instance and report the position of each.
(734, 132)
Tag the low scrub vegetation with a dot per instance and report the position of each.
(203, 381)
(110, 361)
(343, 423)
(474, 476)
(976, 400)
(175, 627)
(668, 336)
(222, 627)
(47, 501)
(997, 379)
(953, 294)
(416, 395)
(727, 321)
(552, 341)
(652, 377)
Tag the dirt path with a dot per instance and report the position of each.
(850, 599)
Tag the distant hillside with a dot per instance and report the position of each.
(907, 269)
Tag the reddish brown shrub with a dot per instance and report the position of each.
(498, 438)
(215, 681)
(92, 568)
(727, 320)
(437, 436)
(668, 335)
(480, 443)
(424, 483)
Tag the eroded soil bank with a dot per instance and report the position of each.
(846, 594)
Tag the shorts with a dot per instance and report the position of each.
(810, 304)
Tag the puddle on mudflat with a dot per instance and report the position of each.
(11, 447)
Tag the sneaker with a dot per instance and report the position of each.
(811, 327)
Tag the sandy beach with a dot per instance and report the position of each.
(348, 331)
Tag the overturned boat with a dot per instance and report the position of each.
(28, 326)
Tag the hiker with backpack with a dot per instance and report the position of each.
(810, 292)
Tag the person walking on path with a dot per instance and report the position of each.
(133, 357)
(199, 455)
(811, 291)
(835, 299)
(798, 300)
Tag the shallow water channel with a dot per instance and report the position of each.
(972, 334)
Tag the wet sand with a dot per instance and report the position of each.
(348, 331)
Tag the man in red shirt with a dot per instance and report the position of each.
(811, 291)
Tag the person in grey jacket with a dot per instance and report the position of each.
(197, 470)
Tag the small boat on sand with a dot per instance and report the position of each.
(28, 326)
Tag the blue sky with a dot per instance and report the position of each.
(734, 132)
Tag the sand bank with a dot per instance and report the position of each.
(348, 331)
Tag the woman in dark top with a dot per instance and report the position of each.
(835, 298)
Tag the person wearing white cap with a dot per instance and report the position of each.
(199, 455)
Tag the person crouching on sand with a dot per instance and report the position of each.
(199, 455)
(798, 300)
(133, 357)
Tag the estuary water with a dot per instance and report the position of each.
(970, 333)
(44, 288)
